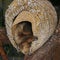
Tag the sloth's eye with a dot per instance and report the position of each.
(21, 34)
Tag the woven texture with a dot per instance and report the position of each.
(43, 24)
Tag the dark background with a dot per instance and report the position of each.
(55, 2)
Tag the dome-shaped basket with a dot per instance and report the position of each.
(40, 13)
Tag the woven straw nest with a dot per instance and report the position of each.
(40, 13)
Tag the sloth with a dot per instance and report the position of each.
(24, 36)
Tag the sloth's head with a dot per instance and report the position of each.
(24, 36)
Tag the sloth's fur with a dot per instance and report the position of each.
(24, 36)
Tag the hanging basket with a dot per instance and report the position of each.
(40, 13)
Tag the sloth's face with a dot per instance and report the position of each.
(24, 36)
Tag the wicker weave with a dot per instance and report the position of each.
(40, 13)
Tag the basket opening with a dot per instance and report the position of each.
(27, 26)
(25, 35)
(27, 30)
